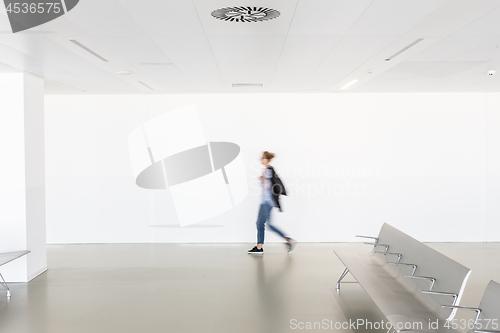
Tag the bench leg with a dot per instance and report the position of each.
(341, 277)
(4, 284)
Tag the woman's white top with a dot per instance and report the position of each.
(266, 191)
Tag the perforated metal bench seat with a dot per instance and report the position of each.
(6, 258)
(488, 313)
(398, 304)
(407, 280)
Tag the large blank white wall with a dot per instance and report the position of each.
(425, 163)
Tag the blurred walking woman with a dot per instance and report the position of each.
(272, 188)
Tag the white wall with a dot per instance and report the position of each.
(425, 163)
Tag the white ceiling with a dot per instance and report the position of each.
(314, 46)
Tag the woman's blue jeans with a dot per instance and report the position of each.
(265, 216)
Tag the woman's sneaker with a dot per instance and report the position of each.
(255, 250)
(291, 245)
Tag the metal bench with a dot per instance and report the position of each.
(407, 280)
(487, 318)
(6, 258)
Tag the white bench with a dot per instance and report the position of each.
(407, 280)
(487, 318)
(6, 258)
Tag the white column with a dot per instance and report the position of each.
(22, 175)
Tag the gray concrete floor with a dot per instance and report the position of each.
(204, 288)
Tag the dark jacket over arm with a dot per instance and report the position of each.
(277, 187)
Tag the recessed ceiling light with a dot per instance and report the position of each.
(349, 84)
(77, 43)
(245, 14)
(124, 72)
(404, 49)
(145, 85)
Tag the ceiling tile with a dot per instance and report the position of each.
(168, 76)
(295, 70)
(185, 48)
(486, 25)
(378, 84)
(47, 52)
(465, 79)
(485, 52)
(59, 27)
(165, 17)
(329, 74)
(286, 84)
(360, 48)
(202, 75)
(445, 69)
(199, 70)
(444, 85)
(4, 22)
(247, 48)
(56, 88)
(393, 17)
(452, 16)
(326, 17)
(411, 84)
(8, 69)
(486, 84)
(32, 65)
(408, 69)
(41, 48)
(133, 49)
(247, 72)
(308, 48)
(88, 42)
(96, 74)
(98, 17)
(450, 47)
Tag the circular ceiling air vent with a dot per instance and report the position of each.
(245, 14)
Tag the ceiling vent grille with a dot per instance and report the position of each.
(404, 49)
(245, 14)
(248, 85)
